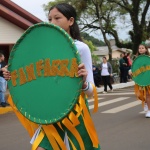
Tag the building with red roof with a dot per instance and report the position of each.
(14, 20)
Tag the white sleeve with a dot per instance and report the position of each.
(87, 61)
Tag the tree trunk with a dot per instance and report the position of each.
(109, 46)
(137, 40)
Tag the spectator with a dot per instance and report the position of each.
(129, 59)
(126, 67)
(3, 83)
(106, 73)
(129, 64)
(125, 58)
(123, 68)
(97, 77)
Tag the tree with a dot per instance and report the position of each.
(95, 41)
(95, 58)
(107, 11)
(103, 14)
(93, 15)
(100, 16)
(139, 13)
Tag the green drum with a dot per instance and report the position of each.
(141, 70)
(43, 64)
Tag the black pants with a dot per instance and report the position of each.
(106, 81)
(97, 80)
(123, 74)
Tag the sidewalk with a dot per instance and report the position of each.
(117, 86)
(7, 109)
(4, 110)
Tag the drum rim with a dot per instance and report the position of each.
(142, 85)
(76, 54)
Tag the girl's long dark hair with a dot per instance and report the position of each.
(68, 11)
(146, 53)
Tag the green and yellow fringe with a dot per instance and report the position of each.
(70, 122)
(141, 92)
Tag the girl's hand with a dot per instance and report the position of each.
(6, 73)
(83, 72)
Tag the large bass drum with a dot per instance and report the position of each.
(43, 63)
(141, 70)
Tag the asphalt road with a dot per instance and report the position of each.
(120, 124)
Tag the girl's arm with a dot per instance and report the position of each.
(87, 61)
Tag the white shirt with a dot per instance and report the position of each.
(104, 71)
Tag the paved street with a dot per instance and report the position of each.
(120, 123)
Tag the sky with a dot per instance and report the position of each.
(35, 7)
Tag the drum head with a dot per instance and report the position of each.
(43, 65)
(141, 70)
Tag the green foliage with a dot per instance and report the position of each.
(95, 58)
(95, 41)
(80, 5)
(103, 15)
(138, 15)
(90, 44)
(115, 65)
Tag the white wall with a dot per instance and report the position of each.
(9, 33)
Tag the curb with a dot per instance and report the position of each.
(4, 110)
(117, 86)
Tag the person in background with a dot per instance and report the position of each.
(129, 64)
(121, 67)
(123, 70)
(129, 60)
(106, 73)
(143, 96)
(3, 82)
(126, 67)
(125, 58)
(97, 77)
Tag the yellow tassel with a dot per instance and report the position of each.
(72, 145)
(148, 89)
(54, 137)
(144, 94)
(38, 140)
(74, 119)
(140, 92)
(88, 122)
(95, 99)
(78, 110)
(28, 125)
(74, 131)
(52, 134)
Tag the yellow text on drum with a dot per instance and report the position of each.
(140, 70)
(44, 68)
